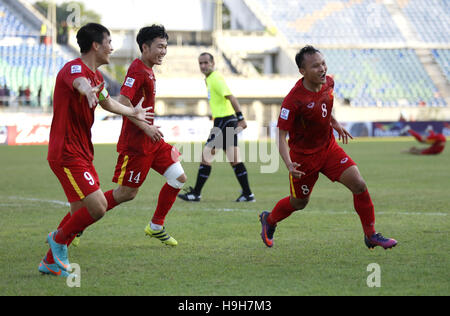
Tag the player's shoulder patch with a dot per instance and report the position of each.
(284, 114)
(75, 69)
(129, 82)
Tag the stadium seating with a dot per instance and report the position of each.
(430, 19)
(30, 66)
(356, 21)
(381, 77)
(23, 61)
(375, 77)
(442, 57)
(332, 22)
(10, 25)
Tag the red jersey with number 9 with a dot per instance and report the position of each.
(70, 133)
(306, 115)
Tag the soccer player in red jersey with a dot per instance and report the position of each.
(306, 115)
(79, 88)
(142, 146)
(436, 140)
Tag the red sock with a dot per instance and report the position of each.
(282, 210)
(78, 222)
(167, 197)
(111, 201)
(416, 135)
(49, 256)
(364, 207)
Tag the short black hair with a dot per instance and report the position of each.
(211, 57)
(307, 50)
(147, 34)
(90, 33)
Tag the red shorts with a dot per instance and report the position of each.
(331, 161)
(78, 180)
(132, 169)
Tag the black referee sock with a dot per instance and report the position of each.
(202, 176)
(241, 175)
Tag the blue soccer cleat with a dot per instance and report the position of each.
(59, 252)
(52, 269)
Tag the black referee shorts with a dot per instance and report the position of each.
(223, 134)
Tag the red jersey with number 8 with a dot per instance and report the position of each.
(306, 115)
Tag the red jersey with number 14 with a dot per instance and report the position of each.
(70, 133)
(306, 115)
(139, 83)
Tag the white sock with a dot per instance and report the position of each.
(155, 227)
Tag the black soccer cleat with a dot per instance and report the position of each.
(246, 198)
(190, 195)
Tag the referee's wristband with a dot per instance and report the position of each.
(239, 116)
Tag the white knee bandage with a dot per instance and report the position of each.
(173, 173)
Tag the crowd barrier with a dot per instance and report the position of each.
(36, 130)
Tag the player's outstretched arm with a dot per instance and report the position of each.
(284, 153)
(83, 86)
(137, 112)
(151, 131)
(342, 132)
(413, 151)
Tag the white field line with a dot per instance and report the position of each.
(21, 198)
(128, 206)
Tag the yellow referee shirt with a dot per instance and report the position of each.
(217, 91)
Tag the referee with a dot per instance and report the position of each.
(228, 121)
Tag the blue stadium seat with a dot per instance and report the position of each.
(332, 22)
(442, 57)
(430, 19)
(381, 77)
(29, 65)
(12, 25)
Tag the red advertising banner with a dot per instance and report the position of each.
(27, 135)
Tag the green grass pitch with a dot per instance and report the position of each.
(317, 251)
